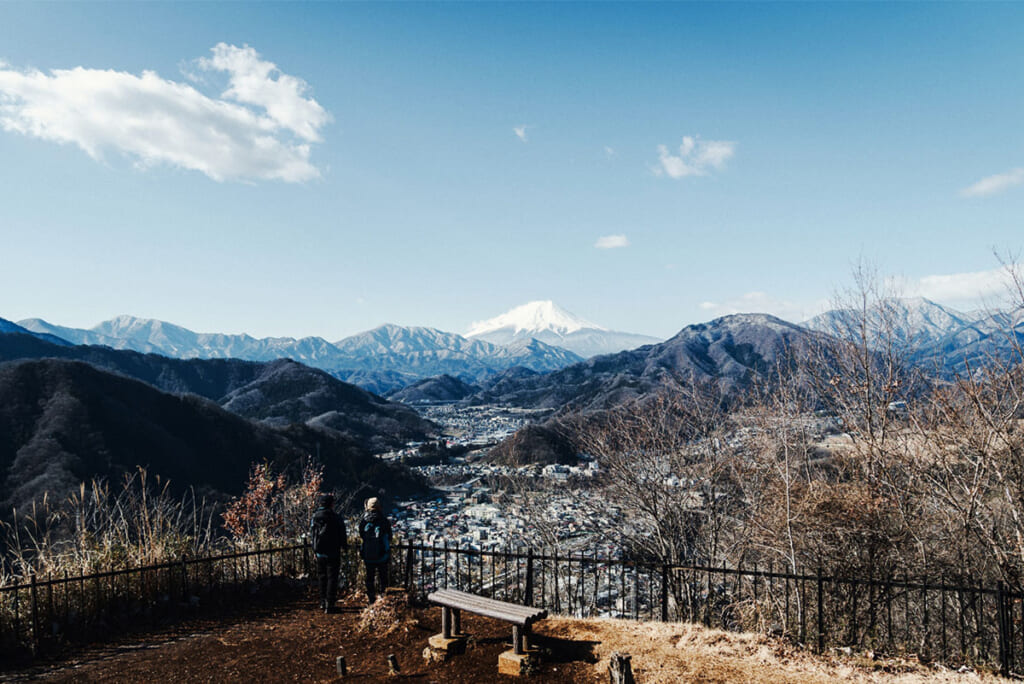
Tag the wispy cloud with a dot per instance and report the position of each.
(611, 242)
(520, 132)
(696, 157)
(609, 151)
(260, 128)
(991, 185)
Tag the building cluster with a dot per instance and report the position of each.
(469, 425)
(478, 513)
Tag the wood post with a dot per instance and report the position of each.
(517, 640)
(456, 621)
(342, 667)
(620, 669)
(393, 664)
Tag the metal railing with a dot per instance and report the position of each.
(952, 621)
(45, 612)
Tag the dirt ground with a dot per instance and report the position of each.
(288, 639)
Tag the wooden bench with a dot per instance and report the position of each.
(453, 602)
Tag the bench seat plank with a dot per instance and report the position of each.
(468, 601)
(523, 616)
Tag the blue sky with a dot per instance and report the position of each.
(318, 169)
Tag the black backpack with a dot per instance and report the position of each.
(326, 533)
(375, 534)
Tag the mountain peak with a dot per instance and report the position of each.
(534, 317)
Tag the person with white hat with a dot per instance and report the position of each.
(375, 550)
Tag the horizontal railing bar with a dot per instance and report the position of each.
(655, 566)
(104, 574)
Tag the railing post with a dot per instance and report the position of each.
(821, 621)
(664, 592)
(528, 592)
(409, 558)
(34, 590)
(1004, 631)
(184, 581)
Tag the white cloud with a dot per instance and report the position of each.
(961, 289)
(257, 82)
(520, 132)
(611, 242)
(609, 151)
(991, 185)
(260, 128)
(696, 157)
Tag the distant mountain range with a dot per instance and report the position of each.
(383, 359)
(938, 337)
(550, 323)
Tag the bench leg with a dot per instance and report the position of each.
(517, 640)
(456, 621)
(446, 622)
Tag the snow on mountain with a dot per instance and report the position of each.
(549, 323)
(914, 321)
(78, 335)
(151, 336)
(427, 352)
(534, 317)
(381, 359)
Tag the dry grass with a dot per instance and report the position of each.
(669, 653)
(387, 614)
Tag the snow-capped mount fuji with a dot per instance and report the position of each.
(549, 323)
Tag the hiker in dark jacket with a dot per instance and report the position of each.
(328, 538)
(375, 550)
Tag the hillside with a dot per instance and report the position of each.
(729, 351)
(64, 422)
(440, 388)
(277, 392)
